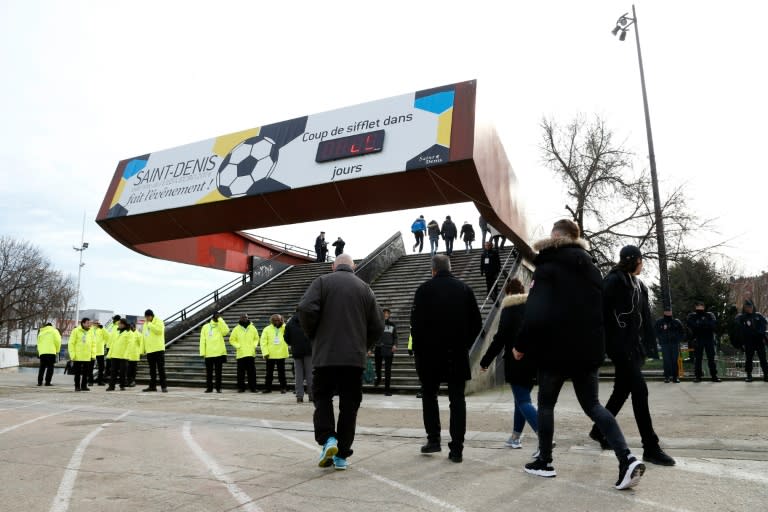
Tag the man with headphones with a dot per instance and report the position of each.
(629, 338)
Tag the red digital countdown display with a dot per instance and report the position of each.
(353, 145)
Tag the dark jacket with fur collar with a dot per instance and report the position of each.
(521, 372)
(628, 326)
(563, 323)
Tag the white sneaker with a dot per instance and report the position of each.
(513, 442)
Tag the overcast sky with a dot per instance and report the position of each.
(86, 84)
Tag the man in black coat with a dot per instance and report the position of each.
(750, 337)
(702, 324)
(301, 351)
(563, 330)
(670, 333)
(629, 338)
(339, 245)
(442, 348)
(321, 247)
(449, 233)
(490, 266)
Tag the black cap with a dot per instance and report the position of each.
(630, 252)
(149, 312)
(116, 318)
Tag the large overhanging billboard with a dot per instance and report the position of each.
(406, 132)
(419, 149)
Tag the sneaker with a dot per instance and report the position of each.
(339, 463)
(630, 473)
(676, 380)
(431, 447)
(666, 380)
(748, 379)
(716, 379)
(330, 449)
(658, 457)
(513, 442)
(540, 468)
(455, 457)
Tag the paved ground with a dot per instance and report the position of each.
(189, 451)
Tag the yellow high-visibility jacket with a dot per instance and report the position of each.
(154, 336)
(120, 344)
(99, 340)
(273, 345)
(80, 346)
(244, 339)
(134, 346)
(212, 338)
(48, 341)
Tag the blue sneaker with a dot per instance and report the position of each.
(330, 449)
(339, 463)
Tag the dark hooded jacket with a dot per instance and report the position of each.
(628, 326)
(445, 322)
(702, 325)
(563, 323)
(467, 233)
(433, 228)
(448, 230)
(750, 329)
(516, 372)
(669, 330)
(296, 339)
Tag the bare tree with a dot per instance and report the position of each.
(610, 201)
(31, 290)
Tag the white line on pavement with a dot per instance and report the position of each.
(14, 427)
(61, 500)
(30, 404)
(397, 485)
(245, 501)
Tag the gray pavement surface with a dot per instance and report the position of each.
(189, 451)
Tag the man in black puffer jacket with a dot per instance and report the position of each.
(629, 337)
(750, 337)
(563, 331)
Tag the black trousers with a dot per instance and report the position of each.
(629, 380)
(156, 361)
(212, 363)
(490, 281)
(117, 372)
(246, 365)
(749, 353)
(346, 381)
(709, 348)
(99, 365)
(130, 371)
(431, 413)
(271, 363)
(670, 352)
(379, 358)
(419, 236)
(46, 367)
(80, 369)
(449, 246)
(585, 384)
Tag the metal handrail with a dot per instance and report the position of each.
(513, 253)
(378, 251)
(226, 307)
(295, 249)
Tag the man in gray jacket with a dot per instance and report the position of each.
(339, 313)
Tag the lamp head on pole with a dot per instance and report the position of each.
(622, 26)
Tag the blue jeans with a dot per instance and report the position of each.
(670, 352)
(433, 244)
(524, 409)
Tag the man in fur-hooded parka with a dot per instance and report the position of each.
(563, 324)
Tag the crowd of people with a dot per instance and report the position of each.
(448, 232)
(560, 330)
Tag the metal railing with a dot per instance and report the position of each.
(227, 306)
(508, 271)
(289, 248)
(206, 300)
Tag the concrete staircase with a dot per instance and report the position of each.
(394, 289)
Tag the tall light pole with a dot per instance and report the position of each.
(622, 26)
(81, 249)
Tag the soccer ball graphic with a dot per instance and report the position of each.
(250, 162)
